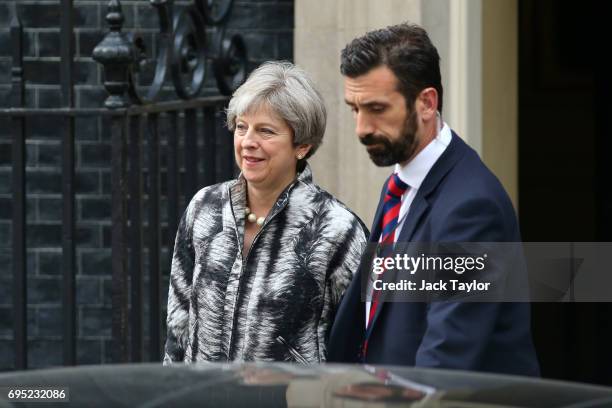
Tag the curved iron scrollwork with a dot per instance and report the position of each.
(148, 94)
(189, 53)
(182, 50)
(229, 67)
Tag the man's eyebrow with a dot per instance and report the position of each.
(367, 104)
(372, 103)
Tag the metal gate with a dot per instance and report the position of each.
(191, 41)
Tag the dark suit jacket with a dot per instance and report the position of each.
(460, 200)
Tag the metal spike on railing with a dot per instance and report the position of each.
(17, 54)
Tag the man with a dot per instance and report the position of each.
(443, 193)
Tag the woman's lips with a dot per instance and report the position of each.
(252, 161)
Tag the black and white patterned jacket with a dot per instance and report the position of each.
(277, 304)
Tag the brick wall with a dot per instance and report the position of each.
(267, 27)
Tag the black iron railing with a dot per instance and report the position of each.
(134, 112)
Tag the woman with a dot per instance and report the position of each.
(261, 262)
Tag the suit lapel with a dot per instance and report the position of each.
(416, 212)
(455, 150)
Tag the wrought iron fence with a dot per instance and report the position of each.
(184, 55)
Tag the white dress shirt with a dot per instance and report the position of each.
(413, 174)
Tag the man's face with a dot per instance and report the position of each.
(383, 123)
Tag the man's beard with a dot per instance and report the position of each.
(398, 151)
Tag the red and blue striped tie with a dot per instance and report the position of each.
(391, 208)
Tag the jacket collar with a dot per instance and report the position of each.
(305, 176)
(422, 173)
(451, 155)
(238, 191)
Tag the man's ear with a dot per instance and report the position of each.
(428, 104)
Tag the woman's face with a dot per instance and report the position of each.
(264, 150)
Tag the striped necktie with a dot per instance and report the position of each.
(391, 208)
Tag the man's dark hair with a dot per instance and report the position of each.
(406, 50)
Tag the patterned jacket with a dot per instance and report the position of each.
(279, 302)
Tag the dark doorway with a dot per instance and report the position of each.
(565, 168)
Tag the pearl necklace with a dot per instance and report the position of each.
(253, 218)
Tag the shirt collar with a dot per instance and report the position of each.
(415, 171)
